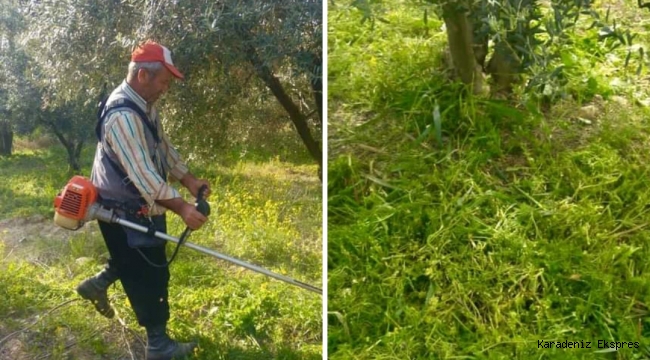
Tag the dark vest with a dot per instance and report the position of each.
(107, 174)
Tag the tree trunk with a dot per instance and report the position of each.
(73, 150)
(461, 45)
(273, 83)
(74, 154)
(298, 119)
(317, 84)
(503, 67)
(74, 157)
(6, 139)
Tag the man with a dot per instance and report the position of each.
(130, 170)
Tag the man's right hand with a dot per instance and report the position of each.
(192, 217)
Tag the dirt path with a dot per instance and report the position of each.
(17, 230)
(19, 236)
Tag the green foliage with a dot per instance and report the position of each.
(232, 46)
(18, 100)
(518, 226)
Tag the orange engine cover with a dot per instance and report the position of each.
(77, 195)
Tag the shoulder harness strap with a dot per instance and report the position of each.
(102, 111)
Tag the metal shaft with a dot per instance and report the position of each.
(211, 252)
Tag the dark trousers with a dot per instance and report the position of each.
(145, 285)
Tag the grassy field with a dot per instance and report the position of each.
(263, 212)
(519, 226)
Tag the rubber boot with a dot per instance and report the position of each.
(94, 289)
(161, 347)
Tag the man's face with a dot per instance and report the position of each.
(157, 84)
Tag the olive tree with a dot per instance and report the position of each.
(245, 44)
(233, 53)
(54, 77)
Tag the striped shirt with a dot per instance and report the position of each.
(125, 134)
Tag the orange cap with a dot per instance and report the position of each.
(152, 51)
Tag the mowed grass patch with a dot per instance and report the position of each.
(511, 228)
(465, 257)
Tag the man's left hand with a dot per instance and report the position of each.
(198, 183)
(193, 185)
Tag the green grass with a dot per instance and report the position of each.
(267, 213)
(517, 227)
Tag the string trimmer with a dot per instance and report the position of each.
(77, 204)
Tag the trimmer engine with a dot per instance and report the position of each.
(72, 204)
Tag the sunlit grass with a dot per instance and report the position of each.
(267, 213)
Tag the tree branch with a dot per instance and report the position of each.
(59, 135)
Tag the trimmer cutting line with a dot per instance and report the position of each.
(77, 204)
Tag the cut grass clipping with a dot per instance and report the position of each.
(505, 229)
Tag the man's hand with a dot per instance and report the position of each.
(193, 185)
(192, 217)
(198, 183)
